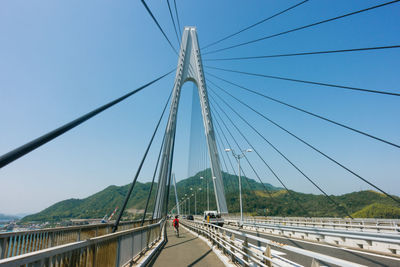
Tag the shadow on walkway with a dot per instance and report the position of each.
(180, 243)
(199, 259)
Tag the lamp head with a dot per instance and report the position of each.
(227, 149)
(249, 150)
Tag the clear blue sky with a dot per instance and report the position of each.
(59, 60)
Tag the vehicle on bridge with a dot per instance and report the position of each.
(213, 217)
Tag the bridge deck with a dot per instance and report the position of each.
(187, 250)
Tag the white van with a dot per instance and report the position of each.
(213, 217)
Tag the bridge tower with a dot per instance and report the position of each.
(189, 68)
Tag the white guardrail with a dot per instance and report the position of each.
(370, 241)
(115, 249)
(243, 252)
(357, 224)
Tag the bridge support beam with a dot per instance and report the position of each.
(189, 68)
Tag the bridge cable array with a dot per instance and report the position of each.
(115, 227)
(302, 27)
(306, 112)
(340, 207)
(223, 155)
(222, 151)
(220, 145)
(315, 149)
(32, 145)
(293, 80)
(219, 118)
(307, 82)
(268, 166)
(255, 24)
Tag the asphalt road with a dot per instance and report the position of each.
(355, 256)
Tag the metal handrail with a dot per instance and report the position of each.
(331, 222)
(212, 230)
(18, 243)
(234, 249)
(387, 238)
(115, 249)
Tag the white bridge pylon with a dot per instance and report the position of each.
(189, 68)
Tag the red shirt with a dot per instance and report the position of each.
(175, 222)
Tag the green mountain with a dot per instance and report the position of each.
(97, 205)
(258, 199)
(378, 210)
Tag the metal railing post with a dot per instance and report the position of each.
(225, 239)
(245, 250)
(3, 246)
(267, 253)
(233, 245)
(314, 263)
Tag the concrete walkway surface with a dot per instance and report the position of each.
(187, 250)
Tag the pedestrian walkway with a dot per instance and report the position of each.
(187, 250)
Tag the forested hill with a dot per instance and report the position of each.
(258, 199)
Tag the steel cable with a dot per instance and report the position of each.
(306, 53)
(302, 27)
(177, 18)
(152, 181)
(173, 21)
(158, 25)
(32, 145)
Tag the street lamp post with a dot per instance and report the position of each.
(201, 178)
(186, 207)
(191, 190)
(208, 198)
(195, 201)
(238, 157)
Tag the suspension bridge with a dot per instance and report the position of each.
(229, 140)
